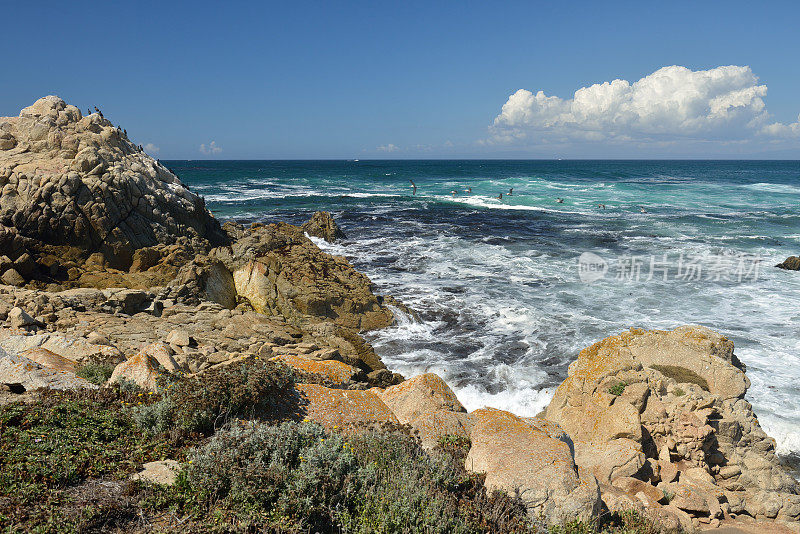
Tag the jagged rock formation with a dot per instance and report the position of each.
(70, 181)
(323, 226)
(280, 271)
(668, 409)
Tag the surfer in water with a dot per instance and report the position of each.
(468, 190)
(511, 191)
(413, 187)
(560, 200)
(453, 192)
(642, 209)
(500, 196)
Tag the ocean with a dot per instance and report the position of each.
(508, 291)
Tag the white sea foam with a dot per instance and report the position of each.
(773, 188)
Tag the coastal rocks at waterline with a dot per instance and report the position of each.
(792, 263)
(668, 408)
(280, 271)
(76, 185)
(323, 226)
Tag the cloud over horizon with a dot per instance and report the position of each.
(673, 104)
(210, 148)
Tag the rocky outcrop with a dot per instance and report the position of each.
(792, 263)
(668, 408)
(280, 271)
(323, 226)
(74, 185)
(22, 374)
(531, 457)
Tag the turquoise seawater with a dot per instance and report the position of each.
(503, 306)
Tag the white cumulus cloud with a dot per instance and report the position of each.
(673, 103)
(388, 148)
(210, 148)
(150, 148)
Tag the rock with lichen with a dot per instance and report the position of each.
(74, 185)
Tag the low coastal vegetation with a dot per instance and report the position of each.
(67, 457)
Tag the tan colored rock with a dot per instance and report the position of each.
(337, 408)
(163, 355)
(671, 403)
(49, 359)
(429, 406)
(162, 472)
(76, 349)
(15, 369)
(432, 427)
(19, 318)
(620, 501)
(12, 278)
(529, 457)
(635, 486)
(140, 369)
(336, 372)
(422, 394)
(80, 184)
(219, 286)
(282, 272)
(179, 337)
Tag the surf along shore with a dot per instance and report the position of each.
(160, 370)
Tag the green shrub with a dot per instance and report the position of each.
(294, 471)
(96, 373)
(679, 392)
(618, 388)
(296, 477)
(243, 390)
(628, 522)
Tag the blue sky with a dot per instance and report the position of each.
(418, 79)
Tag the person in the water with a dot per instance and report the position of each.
(468, 190)
(642, 209)
(500, 196)
(511, 191)
(414, 187)
(453, 192)
(560, 200)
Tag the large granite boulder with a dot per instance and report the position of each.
(74, 181)
(532, 458)
(668, 408)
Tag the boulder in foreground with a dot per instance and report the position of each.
(532, 458)
(668, 408)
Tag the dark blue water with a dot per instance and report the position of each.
(497, 282)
